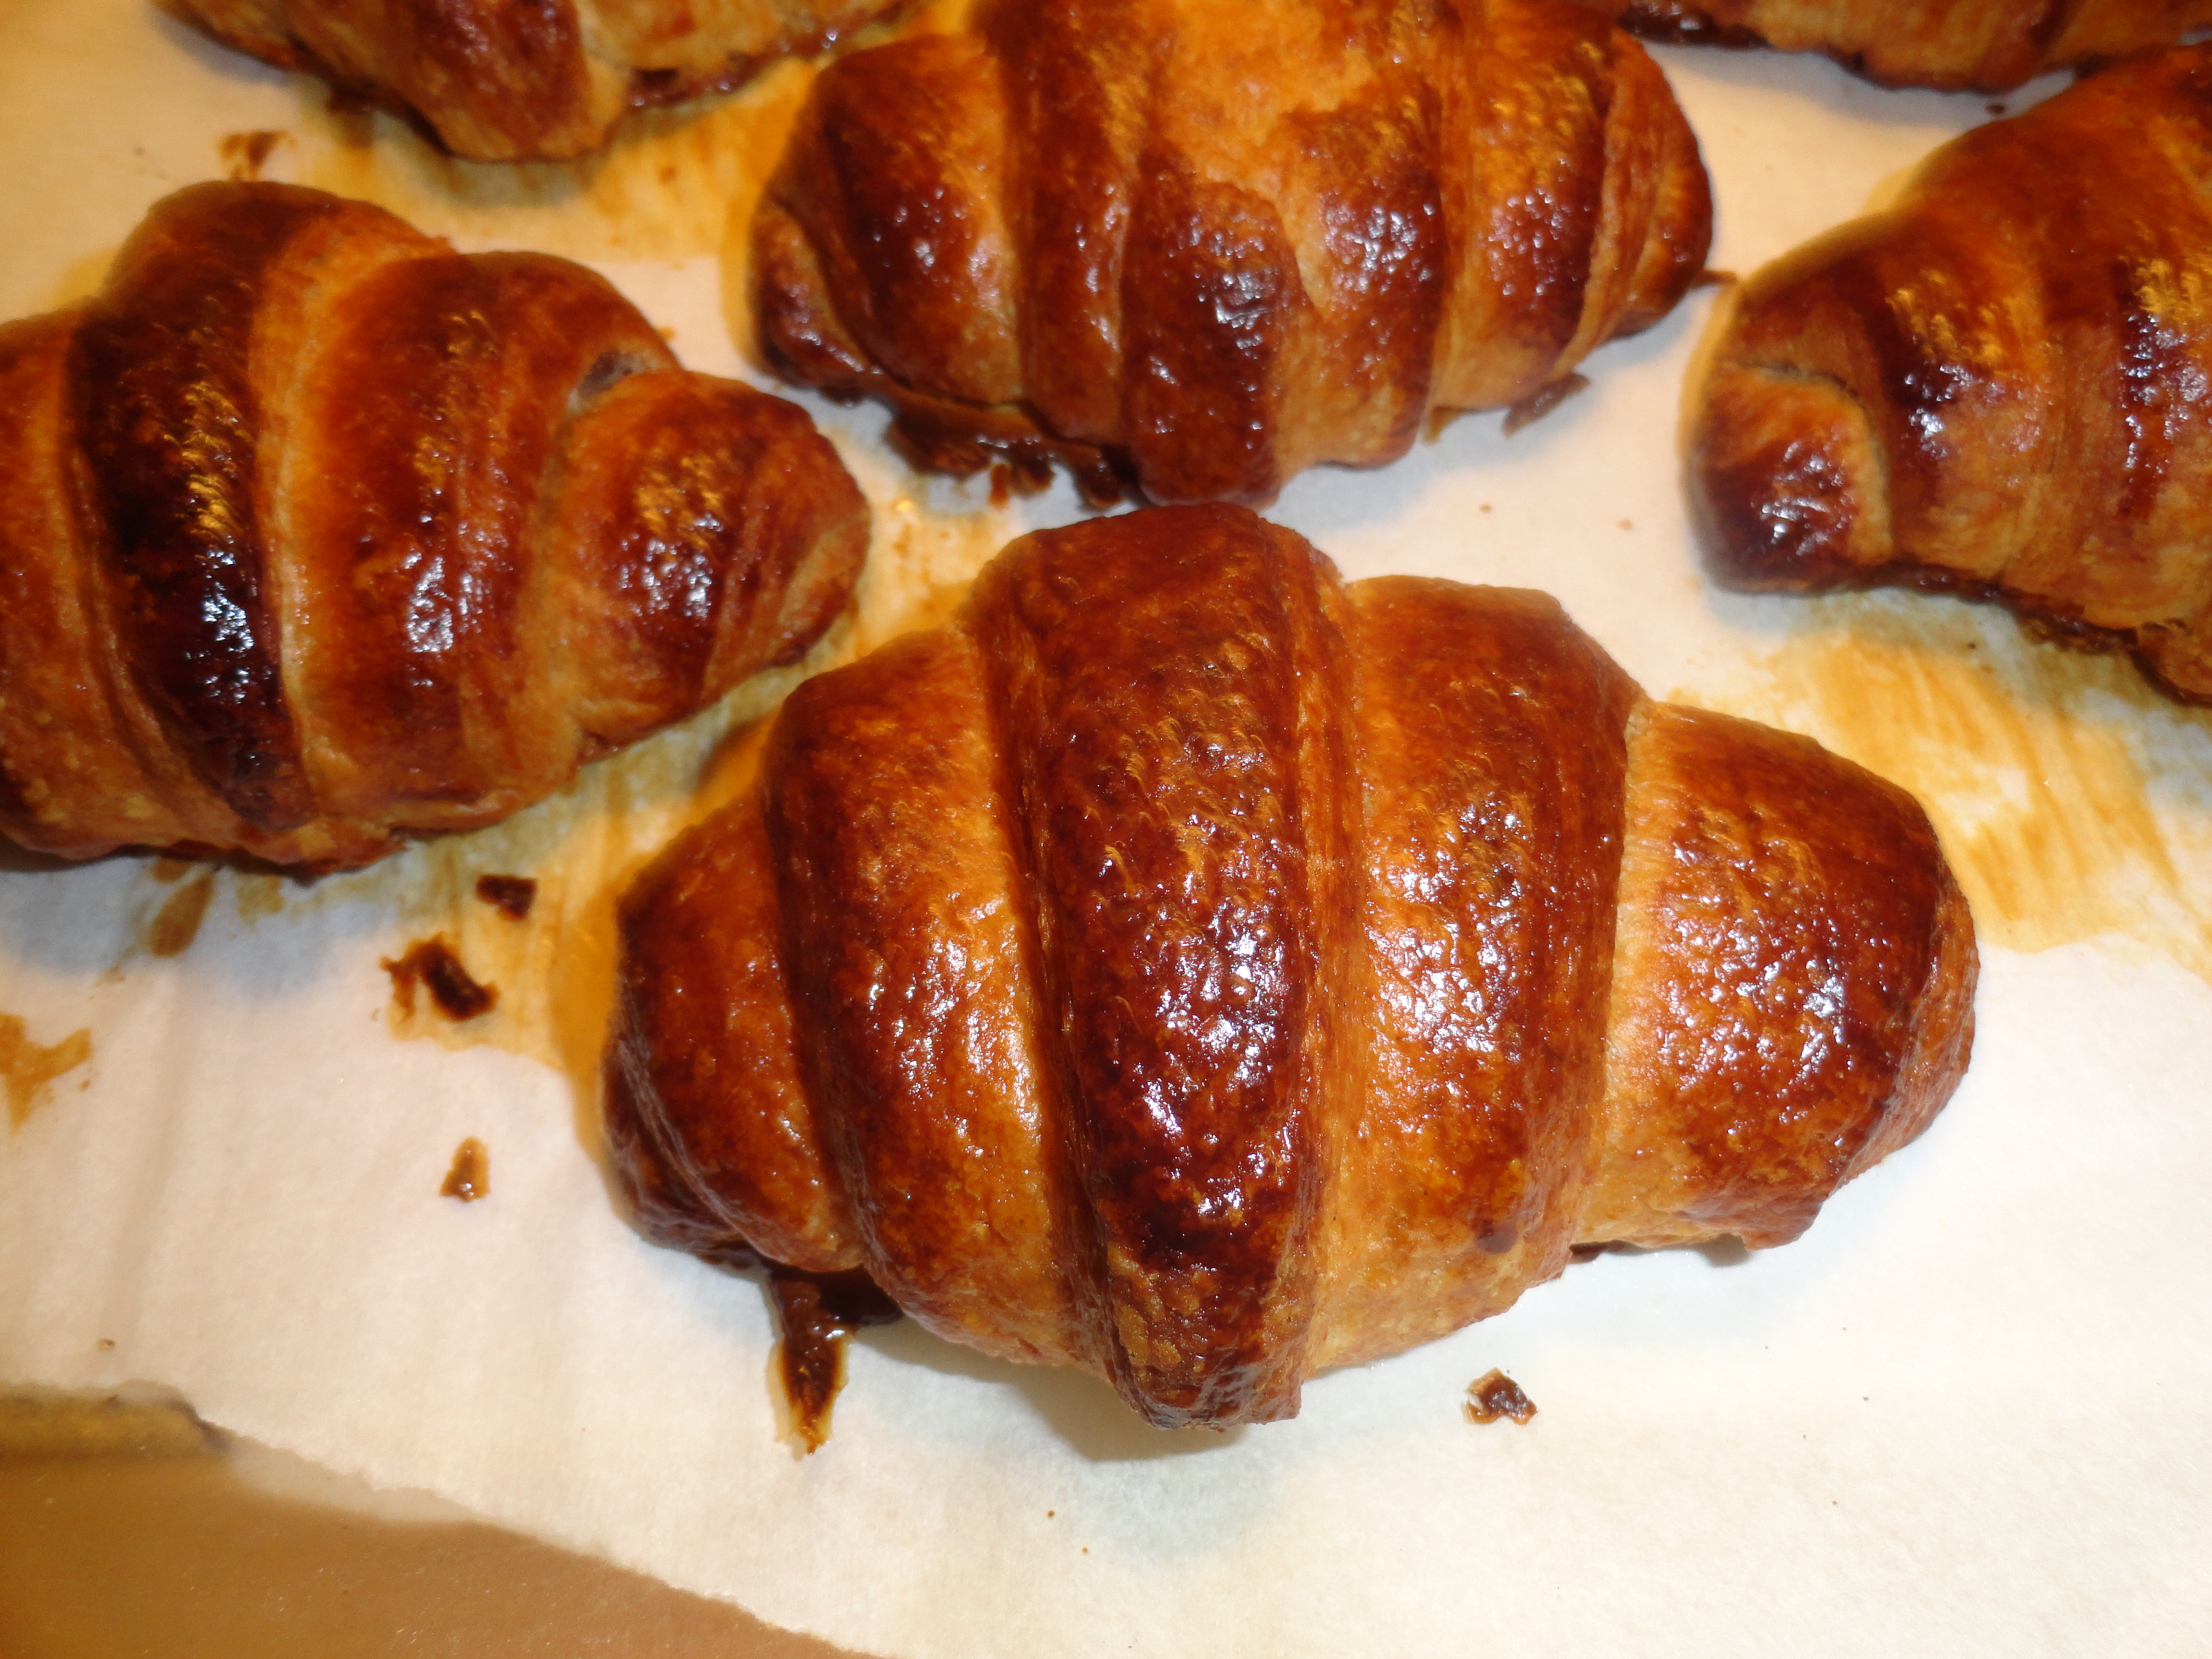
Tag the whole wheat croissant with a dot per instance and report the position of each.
(1999, 387)
(316, 533)
(1187, 968)
(514, 80)
(1207, 243)
(1990, 45)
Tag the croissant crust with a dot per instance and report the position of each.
(1986, 45)
(1997, 387)
(318, 534)
(1188, 967)
(1204, 244)
(517, 80)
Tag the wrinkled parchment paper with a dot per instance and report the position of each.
(1964, 1415)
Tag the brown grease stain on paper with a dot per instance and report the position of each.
(27, 1070)
(177, 923)
(258, 896)
(920, 566)
(2073, 800)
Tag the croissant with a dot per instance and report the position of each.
(1185, 967)
(518, 80)
(1988, 46)
(1204, 244)
(317, 534)
(1998, 387)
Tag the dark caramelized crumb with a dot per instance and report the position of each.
(511, 896)
(1494, 1394)
(470, 1178)
(814, 1313)
(245, 154)
(1002, 484)
(1542, 401)
(431, 963)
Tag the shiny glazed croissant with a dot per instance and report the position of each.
(1988, 46)
(1204, 244)
(316, 533)
(516, 79)
(1187, 968)
(1999, 387)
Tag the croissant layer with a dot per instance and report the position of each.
(324, 534)
(1203, 244)
(1188, 967)
(1997, 386)
(1988, 46)
(516, 79)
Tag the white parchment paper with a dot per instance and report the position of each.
(1964, 1415)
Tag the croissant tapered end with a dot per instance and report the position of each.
(1187, 968)
(501, 81)
(1995, 387)
(1787, 483)
(1776, 1030)
(319, 535)
(1201, 245)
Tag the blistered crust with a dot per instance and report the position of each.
(1198, 246)
(1202, 973)
(308, 512)
(1995, 387)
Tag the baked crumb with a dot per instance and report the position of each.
(1494, 1394)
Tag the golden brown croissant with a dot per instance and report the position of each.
(514, 79)
(1990, 45)
(1999, 387)
(1187, 968)
(1208, 243)
(316, 533)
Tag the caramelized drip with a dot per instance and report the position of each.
(27, 1070)
(814, 1313)
(470, 1178)
(1542, 401)
(1494, 1394)
(432, 965)
(511, 896)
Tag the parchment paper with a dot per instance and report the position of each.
(1964, 1415)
